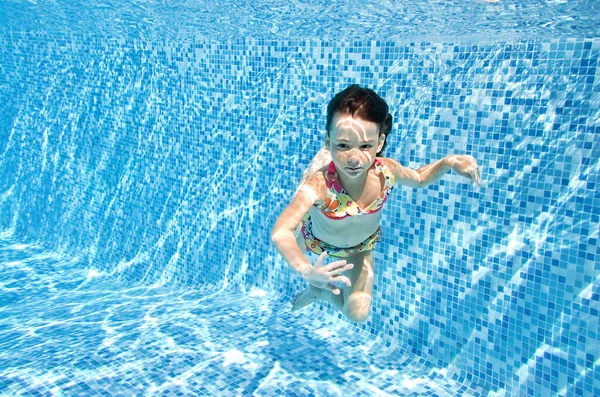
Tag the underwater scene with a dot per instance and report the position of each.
(147, 149)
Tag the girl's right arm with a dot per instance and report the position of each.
(311, 191)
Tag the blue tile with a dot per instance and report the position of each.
(160, 168)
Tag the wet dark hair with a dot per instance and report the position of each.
(363, 103)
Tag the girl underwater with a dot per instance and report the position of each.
(336, 210)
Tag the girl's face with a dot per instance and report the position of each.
(353, 143)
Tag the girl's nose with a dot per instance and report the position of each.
(355, 156)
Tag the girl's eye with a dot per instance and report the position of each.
(345, 146)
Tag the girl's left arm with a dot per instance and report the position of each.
(463, 165)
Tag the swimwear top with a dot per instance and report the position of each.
(338, 204)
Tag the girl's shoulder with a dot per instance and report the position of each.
(315, 182)
(318, 178)
(388, 162)
(391, 164)
(388, 167)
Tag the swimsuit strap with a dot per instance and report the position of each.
(331, 176)
(388, 175)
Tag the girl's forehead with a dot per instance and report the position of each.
(348, 127)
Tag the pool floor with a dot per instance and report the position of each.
(66, 329)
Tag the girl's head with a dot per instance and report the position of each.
(362, 103)
(358, 122)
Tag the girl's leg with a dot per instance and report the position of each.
(312, 293)
(354, 301)
(358, 297)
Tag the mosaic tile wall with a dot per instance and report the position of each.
(169, 163)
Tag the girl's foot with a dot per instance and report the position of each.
(304, 298)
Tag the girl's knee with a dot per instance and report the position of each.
(358, 316)
(358, 306)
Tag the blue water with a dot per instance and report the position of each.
(147, 148)
(69, 332)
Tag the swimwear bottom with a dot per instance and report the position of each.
(317, 246)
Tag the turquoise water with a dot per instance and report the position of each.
(146, 150)
(477, 21)
(71, 332)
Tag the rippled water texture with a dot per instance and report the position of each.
(476, 20)
(146, 149)
(70, 330)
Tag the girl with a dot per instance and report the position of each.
(336, 209)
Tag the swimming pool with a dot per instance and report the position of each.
(147, 148)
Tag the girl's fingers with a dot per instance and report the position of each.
(343, 279)
(335, 265)
(320, 260)
(333, 288)
(477, 176)
(473, 172)
(341, 269)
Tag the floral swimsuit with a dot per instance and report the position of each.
(338, 205)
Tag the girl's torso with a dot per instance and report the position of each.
(344, 222)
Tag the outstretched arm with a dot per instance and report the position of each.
(282, 234)
(463, 165)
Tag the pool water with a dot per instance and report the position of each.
(72, 332)
(146, 150)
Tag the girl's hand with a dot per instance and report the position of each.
(465, 165)
(323, 276)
